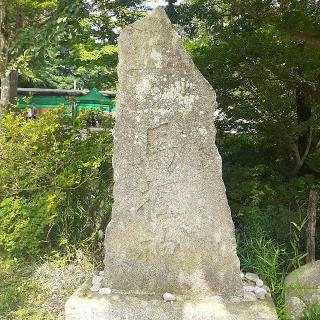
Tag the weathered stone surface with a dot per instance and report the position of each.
(302, 288)
(171, 228)
(85, 305)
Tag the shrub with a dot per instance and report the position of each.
(55, 183)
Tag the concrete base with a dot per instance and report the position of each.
(86, 305)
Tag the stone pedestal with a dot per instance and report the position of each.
(86, 305)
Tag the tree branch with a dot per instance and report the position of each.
(3, 39)
(306, 152)
(318, 148)
(308, 39)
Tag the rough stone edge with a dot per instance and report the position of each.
(296, 277)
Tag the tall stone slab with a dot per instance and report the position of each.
(171, 228)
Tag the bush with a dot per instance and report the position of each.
(263, 195)
(55, 183)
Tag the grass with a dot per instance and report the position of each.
(39, 291)
(271, 262)
(311, 312)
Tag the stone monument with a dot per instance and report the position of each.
(171, 237)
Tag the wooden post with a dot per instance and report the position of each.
(311, 227)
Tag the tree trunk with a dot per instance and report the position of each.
(3, 39)
(9, 87)
(8, 78)
(303, 115)
(3, 57)
(304, 112)
(311, 227)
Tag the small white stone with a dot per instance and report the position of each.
(96, 280)
(266, 288)
(259, 283)
(101, 273)
(248, 288)
(169, 297)
(297, 302)
(105, 291)
(251, 276)
(95, 288)
(100, 234)
(242, 275)
(260, 293)
(249, 296)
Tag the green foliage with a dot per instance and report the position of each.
(298, 257)
(22, 225)
(82, 46)
(311, 312)
(269, 209)
(55, 183)
(263, 64)
(52, 43)
(266, 258)
(20, 296)
(262, 197)
(271, 262)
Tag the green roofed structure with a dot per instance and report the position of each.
(94, 100)
(43, 102)
(43, 99)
